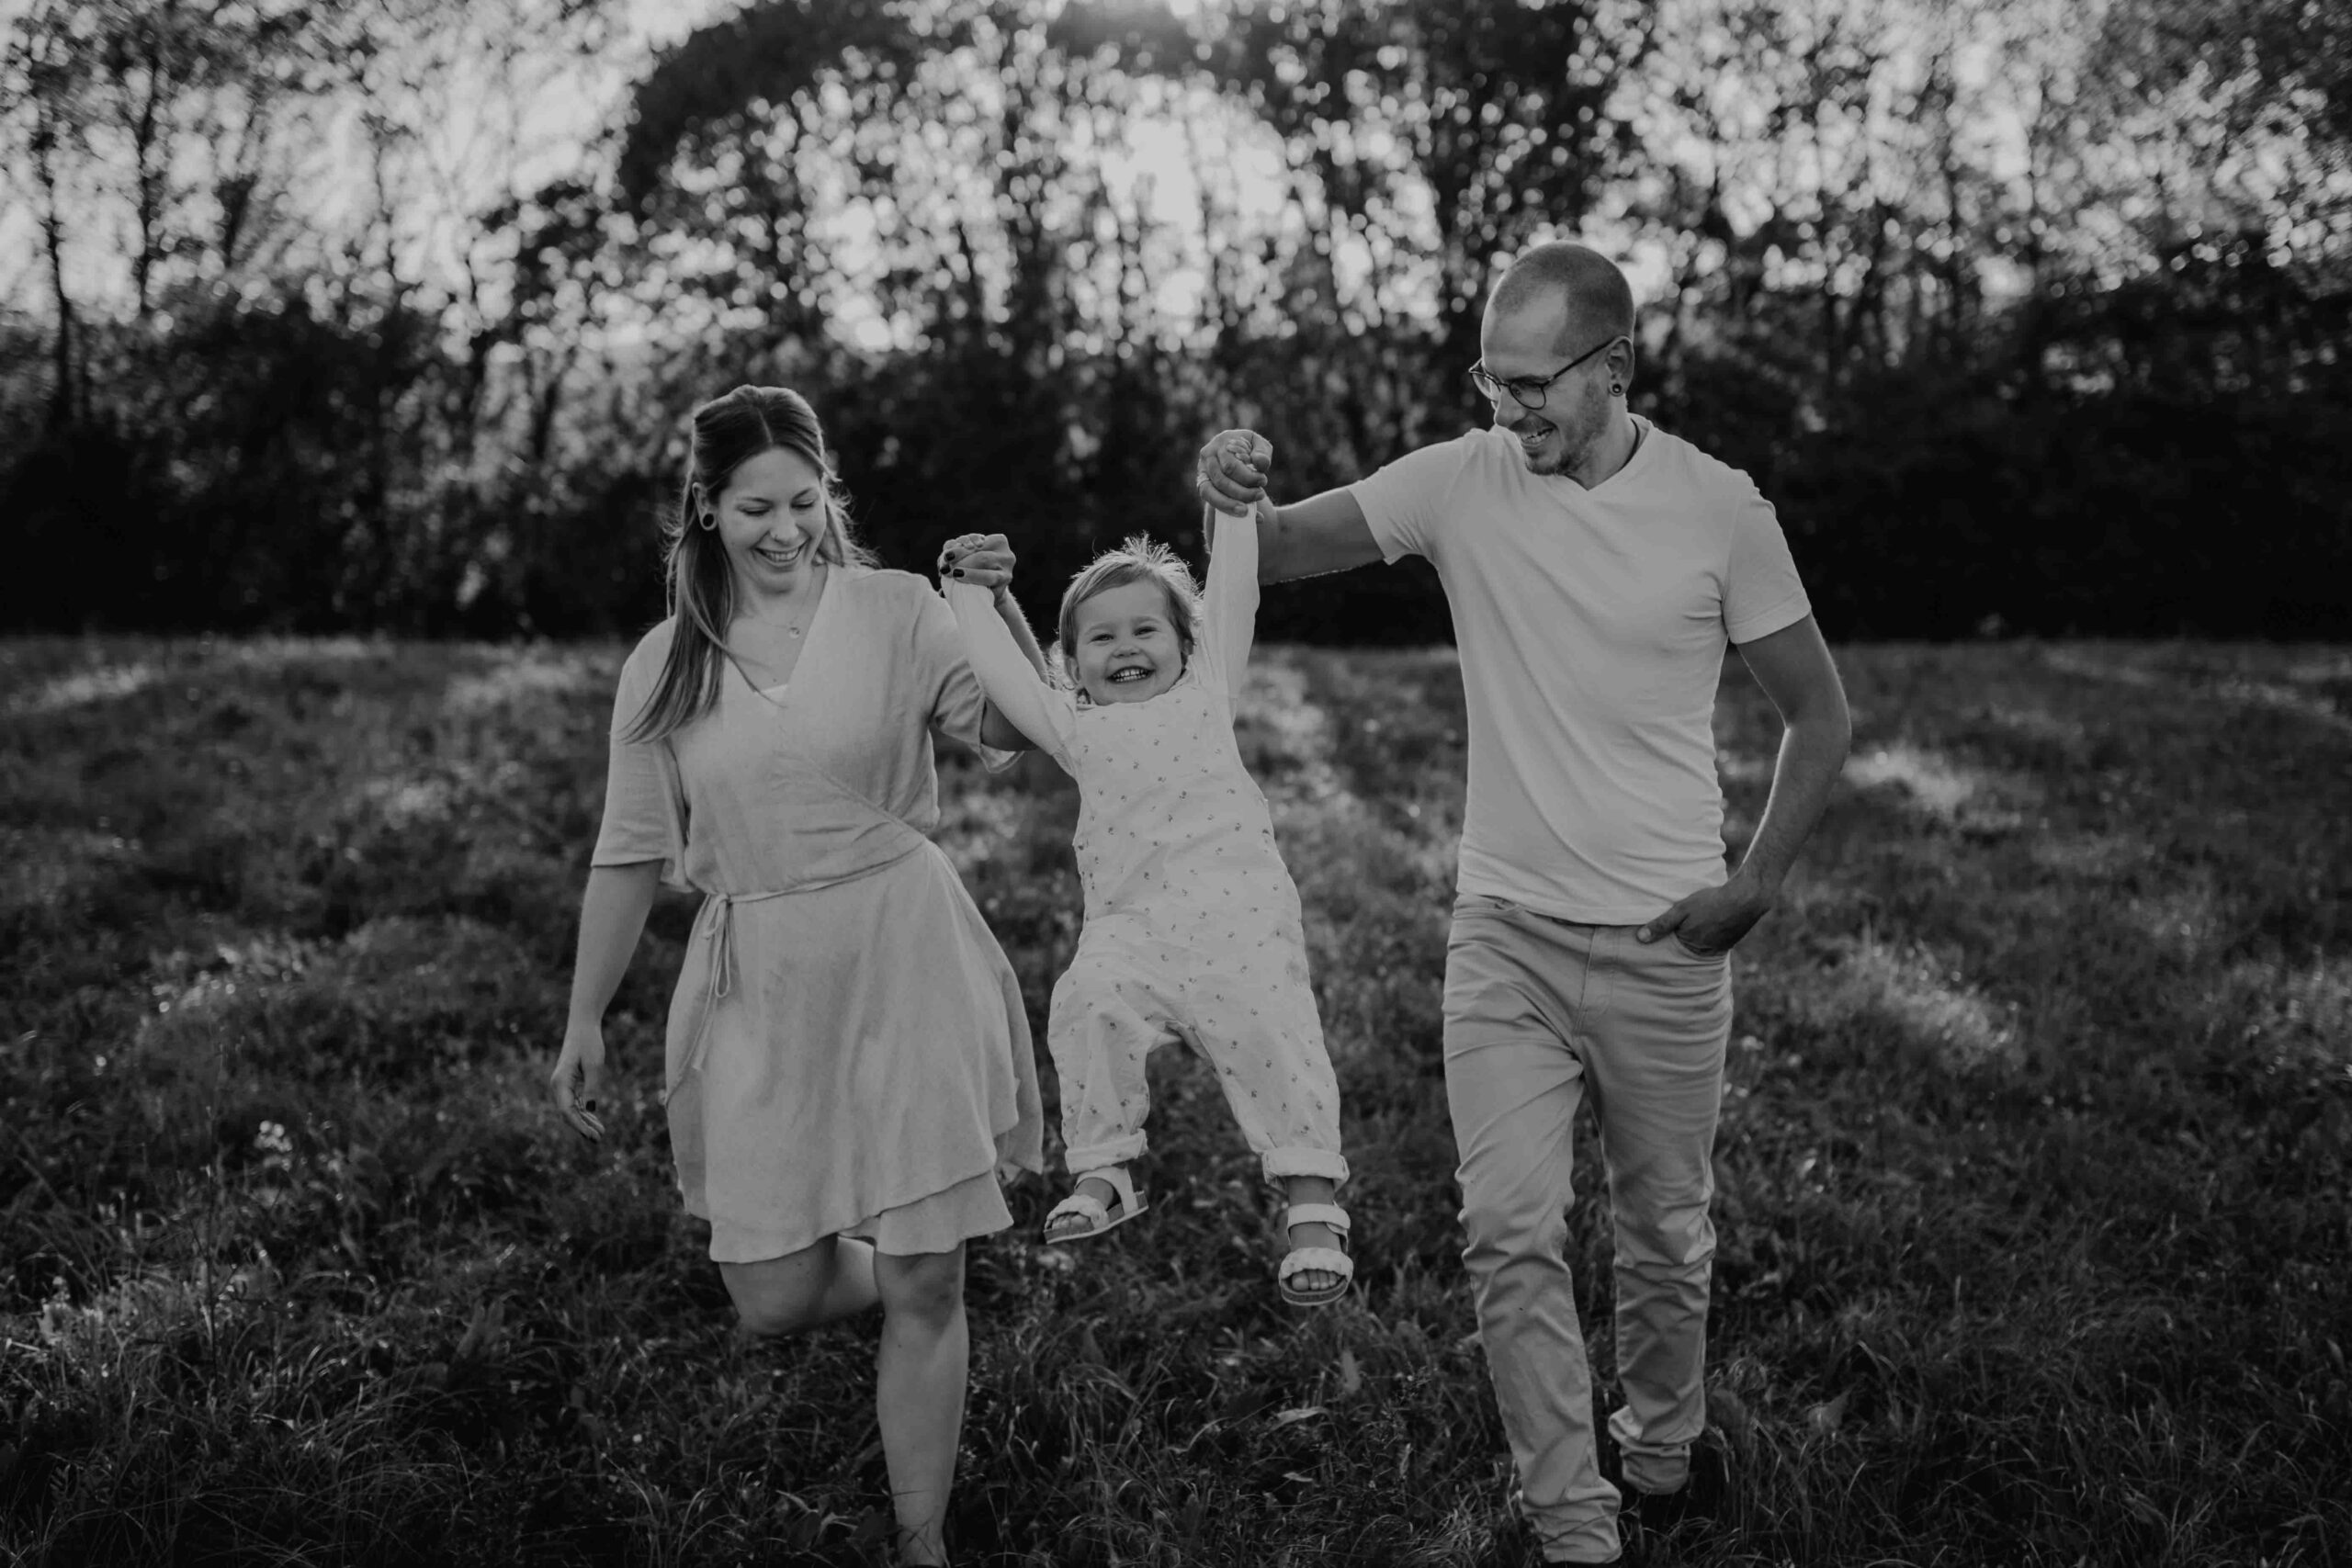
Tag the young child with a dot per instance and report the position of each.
(1193, 925)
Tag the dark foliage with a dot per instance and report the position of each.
(2160, 451)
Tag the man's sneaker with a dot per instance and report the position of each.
(1512, 1542)
(1701, 1497)
(1515, 1548)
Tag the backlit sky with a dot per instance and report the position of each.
(479, 142)
(479, 146)
(554, 124)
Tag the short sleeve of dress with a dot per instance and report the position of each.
(1762, 593)
(1404, 501)
(645, 806)
(957, 703)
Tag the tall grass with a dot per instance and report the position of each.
(2034, 1210)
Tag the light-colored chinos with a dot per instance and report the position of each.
(1540, 1015)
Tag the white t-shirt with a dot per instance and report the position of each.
(1591, 625)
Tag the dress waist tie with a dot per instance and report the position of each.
(716, 924)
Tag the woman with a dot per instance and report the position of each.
(848, 1064)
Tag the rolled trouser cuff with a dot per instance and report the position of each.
(1279, 1163)
(1122, 1150)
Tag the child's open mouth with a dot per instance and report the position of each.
(1127, 674)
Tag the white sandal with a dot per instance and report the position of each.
(1090, 1208)
(1309, 1260)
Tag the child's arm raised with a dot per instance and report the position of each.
(1229, 607)
(1013, 688)
(988, 559)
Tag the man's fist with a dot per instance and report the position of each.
(1232, 472)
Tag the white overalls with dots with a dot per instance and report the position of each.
(1193, 926)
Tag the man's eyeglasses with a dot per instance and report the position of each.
(1528, 391)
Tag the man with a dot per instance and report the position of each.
(1595, 567)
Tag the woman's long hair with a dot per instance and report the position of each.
(728, 432)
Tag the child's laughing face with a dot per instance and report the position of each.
(1126, 647)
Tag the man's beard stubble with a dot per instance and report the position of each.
(1578, 433)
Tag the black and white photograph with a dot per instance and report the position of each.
(1175, 783)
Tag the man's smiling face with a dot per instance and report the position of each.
(1532, 342)
(1125, 645)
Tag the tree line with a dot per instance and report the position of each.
(2030, 315)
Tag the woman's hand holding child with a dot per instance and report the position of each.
(984, 560)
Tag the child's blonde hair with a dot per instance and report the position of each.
(1141, 559)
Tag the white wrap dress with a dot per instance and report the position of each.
(847, 1051)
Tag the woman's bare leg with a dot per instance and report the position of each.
(921, 1380)
(827, 1279)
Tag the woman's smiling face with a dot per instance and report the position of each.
(772, 517)
(1125, 644)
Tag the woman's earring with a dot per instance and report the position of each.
(1615, 391)
(710, 520)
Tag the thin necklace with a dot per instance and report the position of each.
(789, 627)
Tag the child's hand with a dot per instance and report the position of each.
(1232, 471)
(985, 560)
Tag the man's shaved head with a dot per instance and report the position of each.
(1561, 318)
(1598, 299)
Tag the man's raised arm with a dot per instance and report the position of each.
(1306, 539)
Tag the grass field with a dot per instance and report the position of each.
(2036, 1228)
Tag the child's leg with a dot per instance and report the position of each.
(1255, 1021)
(1101, 1026)
(1293, 1130)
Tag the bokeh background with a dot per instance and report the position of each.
(2032, 315)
